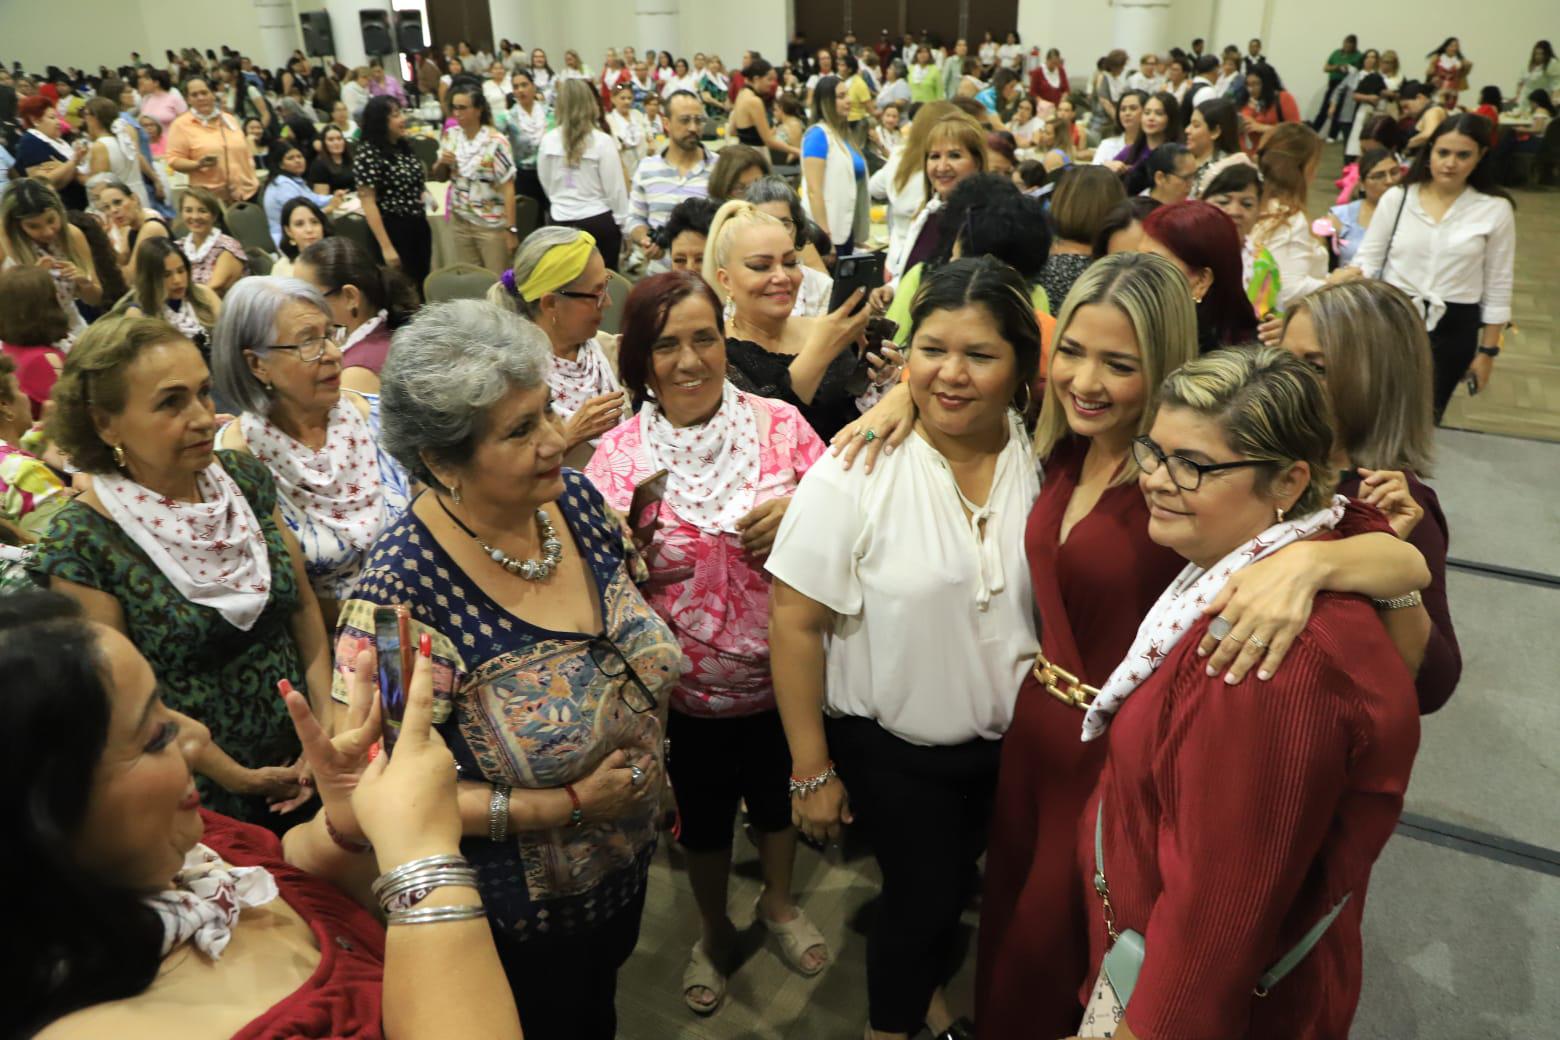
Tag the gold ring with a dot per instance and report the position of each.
(1257, 642)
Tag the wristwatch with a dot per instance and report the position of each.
(1490, 352)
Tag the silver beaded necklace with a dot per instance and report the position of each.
(530, 570)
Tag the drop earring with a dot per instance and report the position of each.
(1278, 515)
(455, 494)
(119, 456)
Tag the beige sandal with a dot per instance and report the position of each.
(797, 936)
(702, 973)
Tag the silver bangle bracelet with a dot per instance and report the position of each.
(1413, 599)
(812, 783)
(427, 881)
(437, 914)
(498, 813)
(391, 877)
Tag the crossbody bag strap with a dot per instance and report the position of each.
(1382, 274)
(1270, 978)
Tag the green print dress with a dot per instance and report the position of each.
(209, 670)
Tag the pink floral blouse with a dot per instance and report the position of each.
(714, 595)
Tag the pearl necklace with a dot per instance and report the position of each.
(530, 570)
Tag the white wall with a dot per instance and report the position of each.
(591, 26)
(1299, 34)
(89, 33)
(1498, 38)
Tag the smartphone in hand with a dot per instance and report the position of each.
(857, 271)
(394, 651)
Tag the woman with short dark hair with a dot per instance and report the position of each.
(391, 185)
(732, 461)
(475, 158)
(31, 326)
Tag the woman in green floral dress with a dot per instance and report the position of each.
(180, 548)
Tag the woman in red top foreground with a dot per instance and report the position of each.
(1128, 321)
(147, 916)
(1233, 822)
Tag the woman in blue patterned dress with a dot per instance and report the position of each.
(276, 355)
(551, 671)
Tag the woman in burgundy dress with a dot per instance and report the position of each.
(1250, 893)
(148, 916)
(1124, 326)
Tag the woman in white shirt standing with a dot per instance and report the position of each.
(902, 623)
(582, 172)
(1288, 161)
(1448, 238)
(629, 128)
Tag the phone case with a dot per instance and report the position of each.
(1122, 963)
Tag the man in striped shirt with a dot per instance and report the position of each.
(682, 171)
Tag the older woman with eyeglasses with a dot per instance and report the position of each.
(277, 357)
(550, 669)
(559, 281)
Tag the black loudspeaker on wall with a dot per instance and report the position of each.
(317, 40)
(409, 31)
(377, 35)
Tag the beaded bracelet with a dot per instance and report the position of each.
(805, 786)
(577, 814)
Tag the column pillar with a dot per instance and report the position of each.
(1141, 26)
(655, 25)
(279, 32)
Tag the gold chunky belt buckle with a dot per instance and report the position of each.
(1064, 685)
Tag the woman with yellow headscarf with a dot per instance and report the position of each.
(559, 281)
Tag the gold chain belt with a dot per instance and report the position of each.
(1064, 685)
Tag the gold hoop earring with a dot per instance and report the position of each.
(119, 456)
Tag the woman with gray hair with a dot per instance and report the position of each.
(559, 282)
(276, 358)
(551, 672)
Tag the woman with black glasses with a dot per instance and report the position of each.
(551, 672)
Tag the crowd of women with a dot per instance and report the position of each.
(1084, 550)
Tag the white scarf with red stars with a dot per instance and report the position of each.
(213, 551)
(1181, 605)
(711, 468)
(338, 487)
(203, 905)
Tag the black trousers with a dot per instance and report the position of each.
(609, 237)
(1454, 343)
(529, 184)
(413, 243)
(926, 811)
(1321, 114)
(565, 987)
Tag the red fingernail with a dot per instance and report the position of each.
(283, 688)
(425, 645)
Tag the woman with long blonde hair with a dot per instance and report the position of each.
(581, 171)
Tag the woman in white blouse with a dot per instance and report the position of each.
(902, 622)
(582, 172)
(1447, 237)
(1288, 161)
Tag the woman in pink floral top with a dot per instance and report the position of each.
(731, 461)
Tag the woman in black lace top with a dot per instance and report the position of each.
(751, 261)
